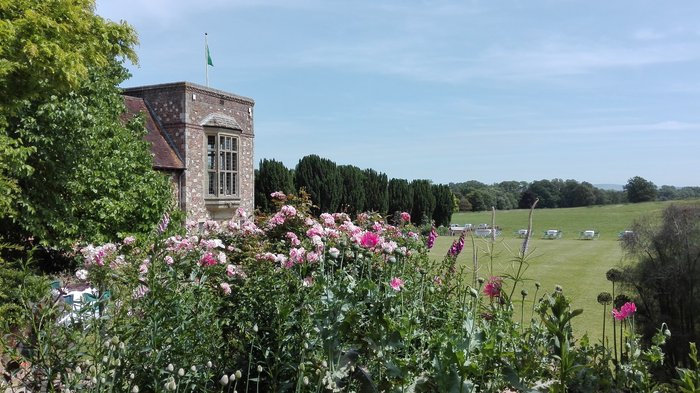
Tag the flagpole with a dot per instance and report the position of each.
(206, 60)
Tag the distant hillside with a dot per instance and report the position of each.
(613, 187)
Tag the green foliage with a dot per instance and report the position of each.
(13, 166)
(423, 202)
(444, 202)
(400, 196)
(353, 200)
(666, 253)
(93, 176)
(74, 171)
(547, 191)
(640, 190)
(376, 191)
(321, 179)
(270, 177)
(48, 48)
(481, 200)
(18, 283)
(689, 378)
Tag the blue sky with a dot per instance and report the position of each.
(597, 91)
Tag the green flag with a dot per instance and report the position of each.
(209, 62)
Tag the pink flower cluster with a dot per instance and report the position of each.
(431, 238)
(625, 311)
(457, 246)
(98, 255)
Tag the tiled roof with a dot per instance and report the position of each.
(164, 154)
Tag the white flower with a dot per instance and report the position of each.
(170, 367)
(81, 274)
(224, 380)
(135, 389)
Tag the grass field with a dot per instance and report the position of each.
(579, 266)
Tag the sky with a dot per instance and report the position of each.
(451, 91)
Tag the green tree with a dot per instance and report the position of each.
(481, 199)
(322, 180)
(581, 194)
(93, 177)
(270, 177)
(400, 196)
(640, 190)
(666, 275)
(75, 171)
(423, 202)
(353, 197)
(444, 202)
(376, 191)
(49, 47)
(527, 198)
(547, 191)
(668, 193)
(46, 48)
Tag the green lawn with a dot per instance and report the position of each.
(579, 266)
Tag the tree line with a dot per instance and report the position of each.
(506, 195)
(347, 188)
(353, 190)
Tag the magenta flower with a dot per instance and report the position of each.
(457, 246)
(493, 287)
(405, 217)
(207, 260)
(396, 284)
(625, 311)
(431, 238)
(369, 240)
